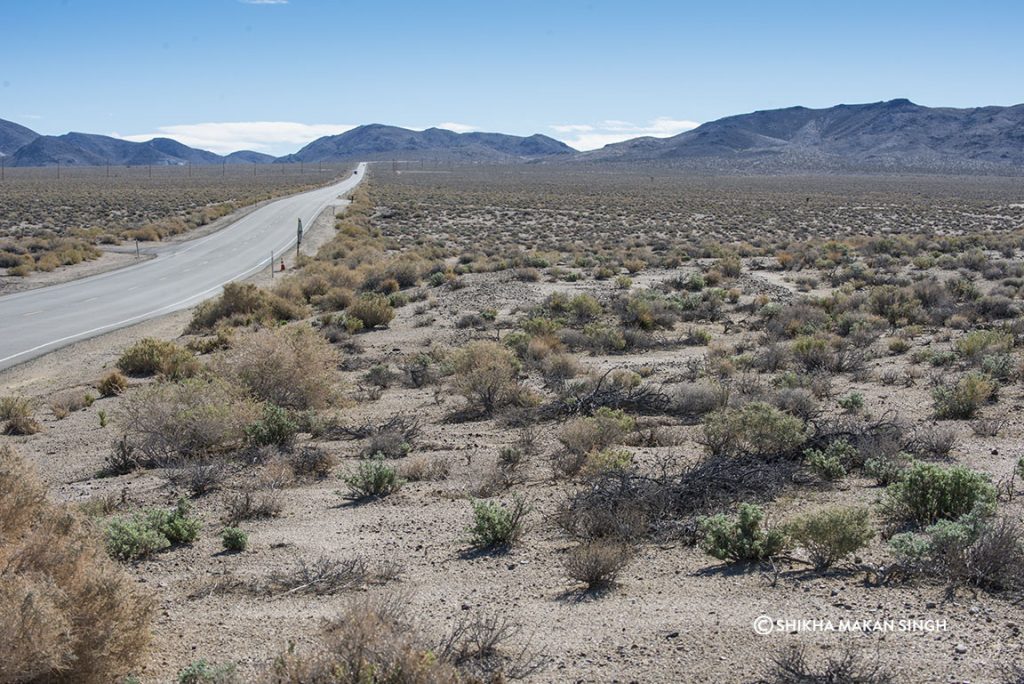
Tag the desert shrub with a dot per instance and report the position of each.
(834, 461)
(200, 477)
(69, 402)
(927, 493)
(275, 426)
(252, 504)
(112, 384)
(371, 641)
(887, 468)
(425, 469)
(851, 403)
(372, 479)
(203, 672)
(976, 550)
(291, 367)
(69, 613)
(234, 539)
(757, 428)
(143, 534)
(934, 441)
(18, 416)
(150, 356)
(694, 400)
(167, 422)
(311, 462)
(812, 352)
(496, 526)
(242, 304)
(372, 309)
(832, 535)
(963, 400)
(797, 401)
(597, 563)
(790, 666)
(587, 435)
(977, 344)
(486, 375)
(741, 539)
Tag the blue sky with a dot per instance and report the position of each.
(274, 74)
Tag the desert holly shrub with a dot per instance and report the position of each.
(757, 428)
(486, 375)
(291, 367)
(372, 479)
(69, 613)
(741, 539)
(965, 398)
(167, 422)
(234, 539)
(18, 416)
(275, 426)
(372, 309)
(143, 534)
(832, 534)
(597, 563)
(112, 384)
(927, 493)
(497, 526)
(311, 462)
(150, 356)
(694, 400)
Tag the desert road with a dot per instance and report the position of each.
(35, 322)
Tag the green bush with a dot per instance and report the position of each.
(977, 344)
(834, 461)
(852, 403)
(832, 535)
(976, 549)
(150, 356)
(496, 526)
(372, 479)
(741, 539)
(234, 539)
(372, 309)
(243, 304)
(963, 400)
(275, 427)
(202, 672)
(757, 429)
(142, 535)
(927, 493)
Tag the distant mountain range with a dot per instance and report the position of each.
(897, 135)
(893, 136)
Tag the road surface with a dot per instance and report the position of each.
(38, 321)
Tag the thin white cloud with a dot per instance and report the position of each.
(263, 2)
(271, 137)
(597, 135)
(457, 127)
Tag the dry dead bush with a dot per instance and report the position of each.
(170, 423)
(597, 563)
(18, 416)
(371, 641)
(791, 666)
(425, 469)
(291, 367)
(69, 613)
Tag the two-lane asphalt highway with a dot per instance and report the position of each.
(38, 321)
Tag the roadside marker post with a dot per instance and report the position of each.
(298, 241)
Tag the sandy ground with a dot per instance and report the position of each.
(676, 615)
